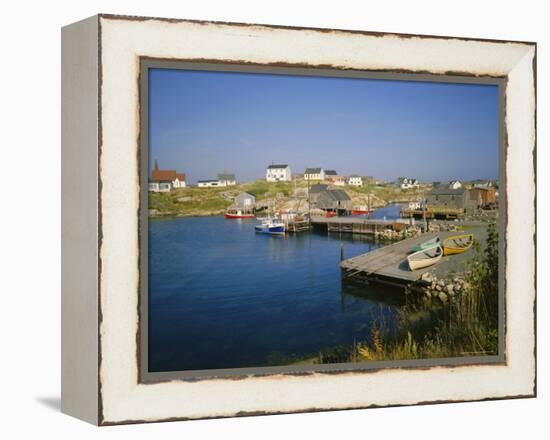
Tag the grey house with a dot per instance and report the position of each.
(334, 199)
(245, 201)
(445, 196)
(314, 192)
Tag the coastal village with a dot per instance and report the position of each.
(430, 213)
(317, 191)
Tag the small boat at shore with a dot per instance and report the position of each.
(270, 226)
(426, 245)
(233, 213)
(457, 244)
(425, 257)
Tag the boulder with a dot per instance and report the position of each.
(443, 297)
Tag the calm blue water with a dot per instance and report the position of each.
(222, 296)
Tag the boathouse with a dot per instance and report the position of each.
(245, 201)
(445, 196)
(314, 192)
(336, 200)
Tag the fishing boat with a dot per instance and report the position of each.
(361, 210)
(232, 213)
(270, 226)
(457, 244)
(427, 244)
(425, 257)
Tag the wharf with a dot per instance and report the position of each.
(389, 263)
(357, 225)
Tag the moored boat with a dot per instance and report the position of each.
(457, 244)
(270, 226)
(425, 257)
(233, 213)
(427, 244)
(361, 210)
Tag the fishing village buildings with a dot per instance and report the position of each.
(407, 183)
(455, 195)
(223, 180)
(278, 173)
(165, 180)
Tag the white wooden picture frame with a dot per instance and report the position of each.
(102, 192)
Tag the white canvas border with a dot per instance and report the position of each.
(123, 399)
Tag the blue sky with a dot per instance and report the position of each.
(202, 123)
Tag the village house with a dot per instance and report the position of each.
(213, 183)
(227, 179)
(165, 180)
(355, 180)
(245, 201)
(278, 173)
(407, 183)
(337, 180)
(330, 173)
(455, 184)
(314, 192)
(336, 200)
(314, 174)
(445, 196)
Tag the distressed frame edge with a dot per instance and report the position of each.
(102, 421)
(80, 119)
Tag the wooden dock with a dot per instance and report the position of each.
(440, 213)
(389, 263)
(355, 225)
(297, 225)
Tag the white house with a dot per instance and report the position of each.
(160, 187)
(407, 182)
(210, 183)
(278, 173)
(165, 180)
(314, 174)
(455, 184)
(227, 179)
(355, 180)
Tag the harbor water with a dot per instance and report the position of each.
(221, 296)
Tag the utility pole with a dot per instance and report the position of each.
(424, 211)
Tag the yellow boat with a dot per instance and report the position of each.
(457, 244)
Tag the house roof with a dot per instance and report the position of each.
(208, 181)
(337, 194)
(226, 176)
(317, 188)
(277, 166)
(355, 175)
(331, 173)
(312, 170)
(165, 175)
(446, 190)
